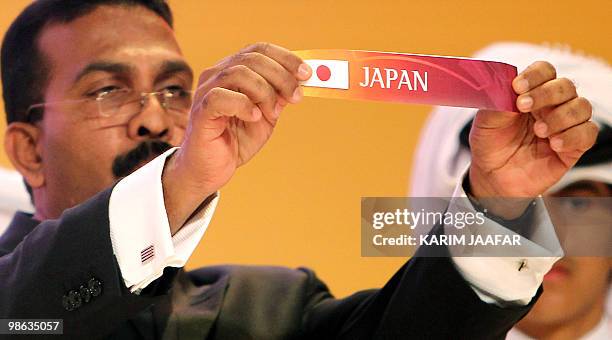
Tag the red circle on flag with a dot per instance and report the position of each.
(323, 73)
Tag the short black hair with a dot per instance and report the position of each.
(24, 70)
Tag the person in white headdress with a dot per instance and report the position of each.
(573, 305)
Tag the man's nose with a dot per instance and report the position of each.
(152, 122)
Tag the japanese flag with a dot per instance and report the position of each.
(328, 73)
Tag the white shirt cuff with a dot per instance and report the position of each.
(501, 280)
(140, 231)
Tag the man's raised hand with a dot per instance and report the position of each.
(524, 154)
(236, 106)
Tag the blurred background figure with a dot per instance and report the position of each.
(13, 196)
(573, 305)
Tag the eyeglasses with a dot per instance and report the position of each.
(125, 102)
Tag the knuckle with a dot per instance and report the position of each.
(585, 105)
(232, 71)
(236, 58)
(251, 58)
(240, 70)
(246, 58)
(261, 47)
(547, 69)
(224, 73)
(254, 59)
(212, 96)
(568, 85)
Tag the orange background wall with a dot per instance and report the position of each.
(297, 202)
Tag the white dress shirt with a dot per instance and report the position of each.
(497, 279)
(140, 231)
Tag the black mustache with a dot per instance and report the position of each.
(126, 164)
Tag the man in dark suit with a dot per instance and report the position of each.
(96, 95)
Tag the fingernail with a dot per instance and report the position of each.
(540, 128)
(556, 144)
(303, 71)
(277, 110)
(256, 113)
(522, 86)
(297, 94)
(525, 103)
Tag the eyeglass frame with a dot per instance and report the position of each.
(100, 97)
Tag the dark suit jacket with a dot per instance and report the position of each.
(66, 269)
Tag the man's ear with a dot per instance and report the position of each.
(21, 143)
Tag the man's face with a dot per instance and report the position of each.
(576, 287)
(113, 47)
